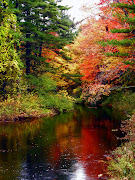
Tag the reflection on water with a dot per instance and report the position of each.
(65, 147)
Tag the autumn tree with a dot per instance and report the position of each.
(105, 65)
(119, 40)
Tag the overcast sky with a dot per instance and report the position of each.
(76, 5)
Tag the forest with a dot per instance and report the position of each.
(47, 64)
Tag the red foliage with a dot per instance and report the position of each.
(90, 67)
(54, 34)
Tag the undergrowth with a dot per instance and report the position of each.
(122, 166)
(124, 101)
(41, 99)
(21, 106)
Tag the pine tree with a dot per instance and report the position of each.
(127, 19)
(125, 13)
(42, 24)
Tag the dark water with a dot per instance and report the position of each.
(68, 146)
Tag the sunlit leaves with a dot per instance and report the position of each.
(106, 44)
(62, 68)
(93, 92)
(9, 58)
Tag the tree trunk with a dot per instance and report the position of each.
(28, 53)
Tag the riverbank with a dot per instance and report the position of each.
(32, 106)
(122, 165)
(18, 109)
(58, 147)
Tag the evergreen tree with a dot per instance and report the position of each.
(42, 24)
(127, 19)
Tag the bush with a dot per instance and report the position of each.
(29, 105)
(45, 87)
(42, 101)
(60, 101)
(123, 164)
(124, 101)
(42, 84)
(21, 106)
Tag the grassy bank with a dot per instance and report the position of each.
(34, 106)
(37, 98)
(122, 165)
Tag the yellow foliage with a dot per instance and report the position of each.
(61, 65)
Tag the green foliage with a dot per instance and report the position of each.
(32, 105)
(124, 101)
(45, 87)
(122, 166)
(64, 56)
(131, 20)
(9, 58)
(124, 42)
(60, 101)
(42, 23)
(22, 106)
(125, 5)
(120, 30)
(116, 54)
(42, 84)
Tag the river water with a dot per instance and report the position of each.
(69, 146)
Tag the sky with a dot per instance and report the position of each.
(76, 5)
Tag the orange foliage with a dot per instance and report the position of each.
(48, 54)
(100, 72)
(86, 42)
(90, 67)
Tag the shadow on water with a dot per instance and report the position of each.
(68, 146)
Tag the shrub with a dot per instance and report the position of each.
(123, 164)
(45, 87)
(124, 101)
(42, 84)
(60, 101)
(42, 101)
(21, 106)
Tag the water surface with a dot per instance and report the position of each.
(68, 146)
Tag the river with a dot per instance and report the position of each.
(68, 146)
